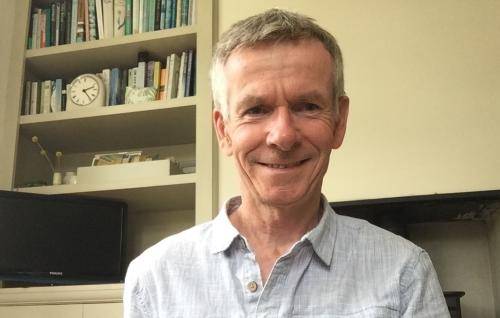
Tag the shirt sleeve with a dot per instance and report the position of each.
(135, 304)
(421, 294)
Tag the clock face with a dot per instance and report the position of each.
(84, 90)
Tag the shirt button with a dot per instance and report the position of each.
(252, 286)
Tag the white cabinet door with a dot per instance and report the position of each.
(46, 311)
(110, 310)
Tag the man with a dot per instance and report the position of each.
(279, 250)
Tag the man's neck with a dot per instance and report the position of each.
(272, 231)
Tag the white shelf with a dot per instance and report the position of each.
(56, 61)
(152, 124)
(176, 192)
(54, 295)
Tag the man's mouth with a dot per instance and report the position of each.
(287, 165)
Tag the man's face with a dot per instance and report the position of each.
(281, 126)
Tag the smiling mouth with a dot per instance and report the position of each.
(283, 165)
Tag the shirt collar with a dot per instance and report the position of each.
(321, 237)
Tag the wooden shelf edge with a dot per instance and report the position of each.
(53, 295)
(122, 185)
(109, 110)
(103, 43)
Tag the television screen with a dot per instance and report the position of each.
(61, 239)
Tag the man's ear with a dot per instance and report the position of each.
(222, 136)
(341, 122)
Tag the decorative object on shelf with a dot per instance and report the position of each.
(56, 174)
(131, 172)
(139, 95)
(57, 178)
(86, 91)
(116, 158)
(69, 177)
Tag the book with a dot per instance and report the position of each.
(114, 86)
(123, 80)
(93, 35)
(135, 16)
(157, 14)
(173, 10)
(62, 22)
(182, 76)
(178, 13)
(106, 74)
(100, 21)
(46, 96)
(173, 76)
(48, 26)
(193, 12)
(56, 12)
(128, 17)
(184, 12)
(151, 15)
(35, 39)
(69, 20)
(190, 12)
(189, 71)
(145, 15)
(107, 17)
(74, 19)
(35, 98)
(119, 17)
(163, 78)
(27, 99)
(43, 27)
(80, 23)
(167, 71)
(56, 98)
(168, 14)
(162, 14)
(156, 76)
(86, 20)
(149, 73)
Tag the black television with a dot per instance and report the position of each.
(56, 239)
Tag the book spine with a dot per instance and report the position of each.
(100, 22)
(86, 14)
(178, 13)
(135, 16)
(156, 77)
(46, 94)
(182, 73)
(162, 14)
(114, 86)
(145, 14)
(92, 20)
(35, 38)
(74, 20)
(122, 86)
(161, 90)
(149, 73)
(190, 12)
(185, 11)
(107, 16)
(151, 15)
(57, 21)
(167, 73)
(157, 14)
(48, 27)
(134, 77)
(188, 72)
(69, 21)
(193, 75)
(106, 74)
(56, 105)
(168, 14)
(42, 26)
(173, 76)
(27, 99)
(119, 17)
(80, 21)
(193, 12)
(62, 22)
(128, 17)
(34, 98)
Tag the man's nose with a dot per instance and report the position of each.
(283, 132)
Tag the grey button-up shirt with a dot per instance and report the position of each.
(344, 267)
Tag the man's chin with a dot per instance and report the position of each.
(283, 198)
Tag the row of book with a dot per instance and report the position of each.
(72, 21)
(173, 78)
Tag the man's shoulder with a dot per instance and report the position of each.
(365, 234)
(180, 247)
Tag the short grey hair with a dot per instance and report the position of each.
(274, 25)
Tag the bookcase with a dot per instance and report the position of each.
(179, 127)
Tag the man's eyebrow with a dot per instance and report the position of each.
(311, 97)
(250, 100)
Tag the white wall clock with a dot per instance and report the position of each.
(85, 91)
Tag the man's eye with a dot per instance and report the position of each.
(307, 107)
(255, 111)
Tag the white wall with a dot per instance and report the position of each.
(424, 87)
